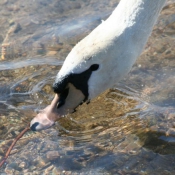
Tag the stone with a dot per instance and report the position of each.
(23, 165)
(15, 28)
(52, 155)
(51, 53)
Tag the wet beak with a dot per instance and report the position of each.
(47, 117)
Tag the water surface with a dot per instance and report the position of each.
(129, 129)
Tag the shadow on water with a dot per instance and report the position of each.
(127, 130)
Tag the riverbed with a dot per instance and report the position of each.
(127, 130)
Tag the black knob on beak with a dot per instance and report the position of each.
(33, 127)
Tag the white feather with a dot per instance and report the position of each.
(115, 44)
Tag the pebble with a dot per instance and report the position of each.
(23, 165)
(15, 28)
(42, 162)
(51, 53)
(171, 116)
(171, 132)
(14, 151)
(52, 155)
(33, 167)
(3, 117)
(67, 172)
(9, 170)
(47, 89)
(56, 171)
(56, 47)
(47, 170)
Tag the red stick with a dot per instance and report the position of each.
(13, 144)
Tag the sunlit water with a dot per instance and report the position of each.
(129, 129)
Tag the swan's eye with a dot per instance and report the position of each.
(94, 67)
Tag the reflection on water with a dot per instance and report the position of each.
(129, 129)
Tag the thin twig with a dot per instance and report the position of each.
(13, 144)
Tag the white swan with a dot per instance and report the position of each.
(102, 58)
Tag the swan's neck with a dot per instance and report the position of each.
(119, 40)
(138, 12)
(136, 18)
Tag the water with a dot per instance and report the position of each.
(127, 130)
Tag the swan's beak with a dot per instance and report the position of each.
(40, 122)
(47, 117)
(60, 106)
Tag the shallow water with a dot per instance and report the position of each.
(129, 129)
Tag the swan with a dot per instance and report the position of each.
(101, 59)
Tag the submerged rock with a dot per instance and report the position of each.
(52, 155)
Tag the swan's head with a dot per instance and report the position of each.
(79, 80)
(90, 68)
(71, 91)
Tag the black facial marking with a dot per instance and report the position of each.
(80, 81)
(59, 87)
(62, 97)
(94, 67)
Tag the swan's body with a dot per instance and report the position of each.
(105, 56)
